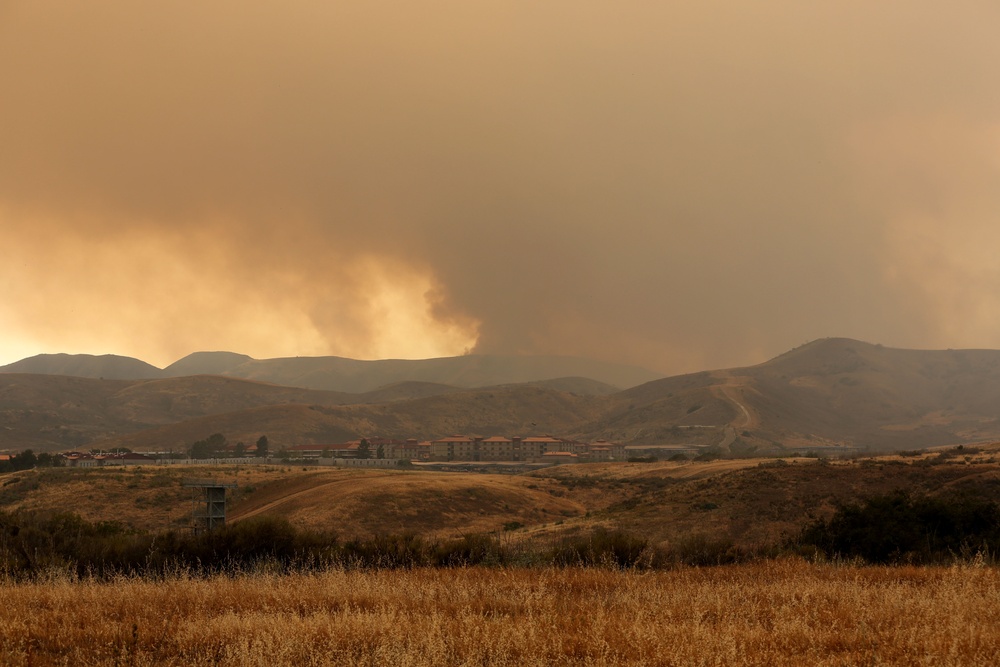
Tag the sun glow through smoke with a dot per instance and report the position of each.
(674, 185)
(159, 293)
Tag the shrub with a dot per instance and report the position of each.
(604, 547)
(900, 528)
(703, 550)
(388, 551)
(470, 550)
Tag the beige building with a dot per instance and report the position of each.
(496, 449)
(410, 450)
(454, 448)
(534, 448)
(472, 448)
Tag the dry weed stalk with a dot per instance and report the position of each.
(770, 613)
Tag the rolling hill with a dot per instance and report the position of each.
(469, 371)
(350, 375)
(106, 366)
(206, 363)
(835, 395)
(748, 502)
(828, 393)
(51, 413)
(518, 409)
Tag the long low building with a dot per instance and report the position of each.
(454, 448)
(464, 448)
(521, 449)
(86, 460)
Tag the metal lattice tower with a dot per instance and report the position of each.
(209, 499)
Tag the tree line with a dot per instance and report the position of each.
(217, 446)
(897, 528)
(27, 460)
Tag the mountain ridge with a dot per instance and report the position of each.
(832, 395)
(333, 373)
(107, 366)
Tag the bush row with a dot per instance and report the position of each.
(896, 528)
(905, 528)
(33, 544)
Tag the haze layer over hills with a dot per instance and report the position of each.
(341, 374)
(830, 394)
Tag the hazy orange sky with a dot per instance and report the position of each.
(671, 184)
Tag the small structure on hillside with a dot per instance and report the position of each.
(209, 499)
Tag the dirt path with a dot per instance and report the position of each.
(711, 469)
(280, 501)
(730, 389)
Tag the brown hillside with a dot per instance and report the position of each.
(365, 503)
(284, 425)
(49, 412)
(691, 415)
(516, 409)
(748, 502)
(868, 395)
(355, 503)
(178, 399)
(830, 392)
(105, 366)
(757, 502)
(834, 393)
(52, 412)
(470, 371)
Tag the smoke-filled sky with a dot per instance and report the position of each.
(678, 185)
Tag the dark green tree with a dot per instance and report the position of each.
(210, 447)
(46, 460)
(900, 528)
(22, 461)
(200, 450)
(217, 443)
(364, 450)
(241, 449)
(380, 451)
(262, 446)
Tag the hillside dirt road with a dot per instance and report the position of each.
(731, 390)
(368, 502)
(281, 500)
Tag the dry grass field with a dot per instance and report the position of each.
(774, 613)
(354, 502)
(146, 497)
(370, 502)
(749, 502)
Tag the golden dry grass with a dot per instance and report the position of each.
(434, 505)
(774, 613)
(144, 497)
(664, 469)
(752, 502)
(354, 502)
(369, 502)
